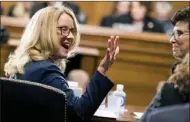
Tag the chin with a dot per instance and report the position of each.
(63, 56)
(178, 57)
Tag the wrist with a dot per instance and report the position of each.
(101, 70)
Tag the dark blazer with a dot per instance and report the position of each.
(108, 21)
(1, 11)
(79, 109)
(175, 113)
(167, 96)
(152, 25)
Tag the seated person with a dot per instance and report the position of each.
(20, 9)
(4, 36)
(120, 14)
(1, 10)
(76, 9)
(174, 91)
(163, 14)
(79, 76)
(140, 16)
(49, 40)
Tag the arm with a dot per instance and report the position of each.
(84, 107)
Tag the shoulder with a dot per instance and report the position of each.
(175, 111)
(153, 25)
(125, 18)
(170, 95)
(38, 70)
(106, 21)
(41, 65)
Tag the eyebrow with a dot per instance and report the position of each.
(64, 27)
(178, 29)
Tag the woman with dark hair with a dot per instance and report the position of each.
(176, 89)
(140, 15)
(120, 14)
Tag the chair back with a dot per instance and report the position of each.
(25, 101)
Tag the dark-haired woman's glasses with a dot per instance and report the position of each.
(65, 31)
(176, 34)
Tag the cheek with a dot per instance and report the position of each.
(185, 42)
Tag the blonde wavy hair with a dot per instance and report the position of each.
(40, 40)
(181, 78)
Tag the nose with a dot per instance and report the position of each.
(172, 40)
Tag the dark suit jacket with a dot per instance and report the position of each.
(79, 109)
(176, 113)
(151, 25)
(167, 96)
(108, 21)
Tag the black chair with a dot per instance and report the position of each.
(25, 101)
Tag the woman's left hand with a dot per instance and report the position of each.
(110, 57)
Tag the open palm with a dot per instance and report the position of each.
(110, 57)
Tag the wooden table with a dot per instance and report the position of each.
(126, 118)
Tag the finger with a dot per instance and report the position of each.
(109, 44)
(112, 43)
(116, 52)
(108, 54)
(116, 42)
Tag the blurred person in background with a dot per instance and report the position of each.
(80, 76)
(81, 16)
(163, 14)
(140, 16)
(20, 9)
(4, 36)
(120, 14)
(1, 10)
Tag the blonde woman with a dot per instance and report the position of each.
(49, 39)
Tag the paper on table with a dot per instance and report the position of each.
(137, 115)
(105, 113)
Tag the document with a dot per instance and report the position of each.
(137, 115)
(105, 113)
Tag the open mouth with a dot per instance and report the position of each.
(66, 46)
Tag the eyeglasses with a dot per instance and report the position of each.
(176, 34)
(65, 31)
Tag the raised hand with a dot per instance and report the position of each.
(110, 57)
